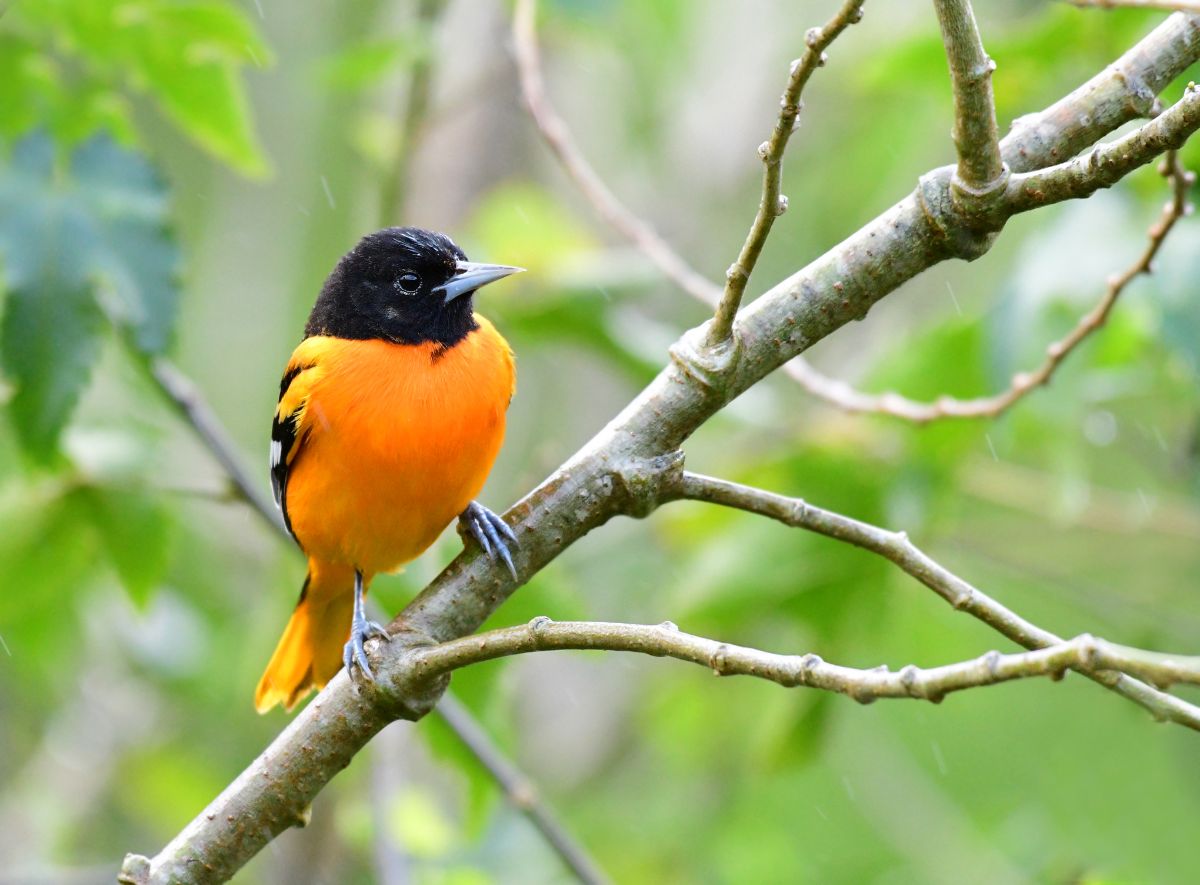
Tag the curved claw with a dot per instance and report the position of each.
(492, 533)
(354, 653)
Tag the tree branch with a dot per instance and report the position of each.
(630, 467)
(772, 204)
(980, 169)
(1023, 383)
(558, 138)
(1165, 5)
(518, 789)
(1118, 95)
(1106, 164)
(183, 394)
(1085, 654)
(896, 548)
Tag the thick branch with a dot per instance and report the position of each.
(980, 169)
(626, 469)
(1085, 654)
(895, 547)
(771, 203)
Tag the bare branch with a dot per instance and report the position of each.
(847, 398)
(1085, 654)
(558, 137)
(772, 203)
(980, 168)
(1165, 5)
(184, 395)
(520, 791)
(895, 547)
(1106, 164)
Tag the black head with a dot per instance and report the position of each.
(402, 284)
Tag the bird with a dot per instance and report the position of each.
(391, 413)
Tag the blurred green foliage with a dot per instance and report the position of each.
(141, 600)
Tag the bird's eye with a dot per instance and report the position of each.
(408, 282)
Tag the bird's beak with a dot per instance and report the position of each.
(471, 275)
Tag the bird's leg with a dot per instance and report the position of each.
(492, 533)
(360, 631)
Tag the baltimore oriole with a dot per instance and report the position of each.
(391, 412)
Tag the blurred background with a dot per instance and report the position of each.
(178, 178)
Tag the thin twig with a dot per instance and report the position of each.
(182, 392)
(980, 168)
(1163, 5)
(1085, 654)
(898, 549)
(520, 791)
(772, 203)
(558, 138)
(847, 398)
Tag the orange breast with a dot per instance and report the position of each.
(399, 441)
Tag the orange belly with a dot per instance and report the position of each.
(399, 441)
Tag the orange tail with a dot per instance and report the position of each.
(310, 651)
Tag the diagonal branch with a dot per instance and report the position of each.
(1023, 383)
(183, 394)
(771, 203)
(980, 168)
(896, 548)
(1085, 654)
(1106, 164)
(518, 789)
(632, 464)
(558, 138)
(1165, 5)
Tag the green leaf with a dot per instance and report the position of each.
(188, 56)
(78, 239)
(366, 64)
(50, 341)
(135, 529)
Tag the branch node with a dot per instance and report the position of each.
(718, 661)
(782, 205)
(909, 676)
(644, 483)
(402, 689)
(670, 626)
(961, 235)
(991, 661)
(536, 626)
(709, 363)
(1089, 650)
(135, 870)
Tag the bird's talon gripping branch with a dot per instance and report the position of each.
(492, 533)
(361, 629)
